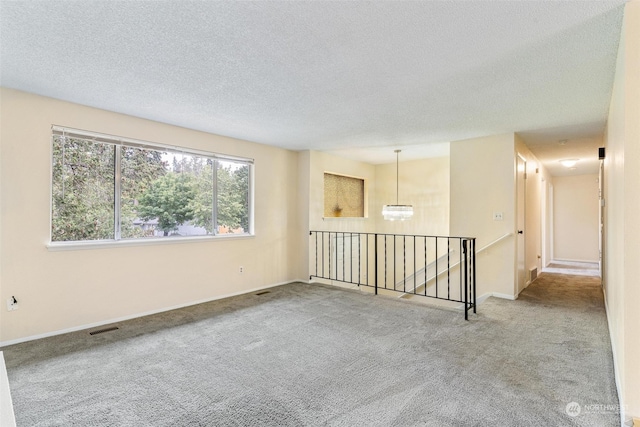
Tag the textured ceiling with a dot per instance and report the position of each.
(326, 75)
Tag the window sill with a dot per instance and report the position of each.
(104, 244)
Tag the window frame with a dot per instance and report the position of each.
(118, 142)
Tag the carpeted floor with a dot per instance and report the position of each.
(317, 355)
(573, 267)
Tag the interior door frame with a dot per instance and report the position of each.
(520, 224)
(601, 215)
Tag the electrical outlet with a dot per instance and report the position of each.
(241, 269)
(497, 216)
(12, 304)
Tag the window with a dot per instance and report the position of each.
(107, 188)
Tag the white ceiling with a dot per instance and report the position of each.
(350, 77)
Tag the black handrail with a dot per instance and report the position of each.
(341, 251)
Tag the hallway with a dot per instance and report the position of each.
(569, 334)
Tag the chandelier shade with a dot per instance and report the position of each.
(397, 212)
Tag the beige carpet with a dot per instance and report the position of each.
(317, 355)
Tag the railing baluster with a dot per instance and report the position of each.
(426, 275)
(375, 250)
(415, 269)
(322, 257)
(351, 257)
(395, 261)
(343, 246)
(404, 263)
(473, 254)
(466, 270)
(316, 251)
(359, 255)
(460, 257)
(465, 262)
(448, 268)
(367, 246)
(385, 261)
(329, 253)
(437, 271)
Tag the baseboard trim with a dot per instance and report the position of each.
(586, 261)
(503, 296)
(137, 315)
(7, 417)
(482, 298)
(616, 371)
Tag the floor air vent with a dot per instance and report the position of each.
(102, 331)
(263, 292)
(533, 274)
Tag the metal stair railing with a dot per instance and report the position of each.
(395, 262)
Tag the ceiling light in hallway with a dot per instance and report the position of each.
(569, 163)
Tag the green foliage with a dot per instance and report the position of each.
(83, 188)
(233, 197)
(151, 188)
(140, 167)
(233, 201)
(202, 204)
(170, 200)
(82, 191)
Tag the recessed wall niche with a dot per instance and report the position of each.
(344, 196)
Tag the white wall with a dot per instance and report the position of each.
(483, 182)
(537, 176)
(68, 289)
(622, 204)
(575, 218)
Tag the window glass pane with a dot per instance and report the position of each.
(140, 169)
(82, 190)
(233, 197)
(176, 199)
(159, 192)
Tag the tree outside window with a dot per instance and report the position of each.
(161, 193)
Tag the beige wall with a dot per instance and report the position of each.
(483, 182)
(537, 176)
(547, 219)
(422, 183)
(69, 289)
(575, 218)
(313, 165)
(622, 227)
(318, 164)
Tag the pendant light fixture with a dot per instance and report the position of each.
(397, 212)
